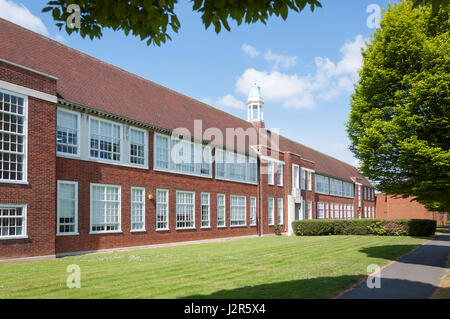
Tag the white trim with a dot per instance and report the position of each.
(119, 230)
(24, 217)
(75, 232)
(245, 201)
(143, 209)
(256, 211)
(281, 184)
(308, 169)
(298, 176)
(121, 139)
(18, 89)
(271, 159)
(156, 210)
(146, 152)
(224, 211)
(78, 114)
(209, 210)
(271, 213)
(193, 210)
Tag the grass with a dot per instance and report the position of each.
(269, 267)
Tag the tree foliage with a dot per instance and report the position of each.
(399, 124)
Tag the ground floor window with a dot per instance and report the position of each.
(162, 209)
(238, 210)
(12, 221)
(205, 210)
(137, 209)
(220, 210)
(271, 211)
(336, 211)
(327, 214)
(252, 211)
(185, 210)
(309, 209)
(105, 208)
(320, 210)
(67, 208)
(280, 211)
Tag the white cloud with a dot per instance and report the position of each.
(329, 80)
(230, 101)
(60, 38)
(280, 60)
(19, 14)
(250, 51)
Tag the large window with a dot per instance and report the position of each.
(322, 184)
(162, 209)
(68, 132)
(280, 174)
(185, 210)
(309, 181)
(205, 210)
(335, 187)
(303, 178)
(12, 221)
(105, 208)
(13, 134)
(181, 156)
(137, 146)
(348, 190)
(320, 210)
(67, 208)
(295, 176)
(221, 210)
(270, 172)
(238, 210)
(105, 139)
(271, 211)
(252, 211)
(235, 167)
(280, 219)
(137, 209)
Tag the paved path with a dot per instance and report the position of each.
(414, 276)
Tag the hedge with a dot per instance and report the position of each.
(395, 227)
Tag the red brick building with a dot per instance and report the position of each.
(93, 157)
(389, 207)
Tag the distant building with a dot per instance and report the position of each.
(388, 207)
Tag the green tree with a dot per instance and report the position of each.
(399, 124)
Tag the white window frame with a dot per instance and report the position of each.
(143, 209)
(193, 210)
(132, 128)
(253, 209)
(295, 180)
(121, 139)
(310, 181)
(24, 221)
(78, 115)
(303, 178)
(158, 203)
(270, 173)
(280, 211)
(119, 230)
(24, 179)
(245, 210)
(224, 206)
(320, 206)
(280, 169)
(209, 210)
(75, 232)
(271, 211)
(310, 210)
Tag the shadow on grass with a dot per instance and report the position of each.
(323, 287)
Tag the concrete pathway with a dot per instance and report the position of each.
(414, 276)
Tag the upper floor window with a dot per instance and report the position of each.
(280, 174)
(13, 136)
(295, 176)
(335, 187)
(137, 146)
(303, 178)
(322, 184)
(348, 189)
(309, 181)
(270, 172)
(235, 167)
(68, 132)
(105, 139)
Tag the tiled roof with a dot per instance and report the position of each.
(85, 80)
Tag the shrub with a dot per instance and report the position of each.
(352, 226)
(313, 227)
(277, 229)
(420, 227)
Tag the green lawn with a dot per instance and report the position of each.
(270, 267)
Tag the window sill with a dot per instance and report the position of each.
(138, 231)
(221, 227)
(205, 227)
(238, 226)
(105, 232)
(162, 229)
(14, 182)
(190, 228)
(14, 237)
(67, 234)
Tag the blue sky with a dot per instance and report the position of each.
(306, 65)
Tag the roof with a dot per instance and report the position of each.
(87, 81)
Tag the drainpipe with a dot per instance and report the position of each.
(258, 222)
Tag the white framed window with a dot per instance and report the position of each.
(320, 210)
(295, 176)
(238, 211)
(304, 209)
(270, 173)
(185, 210)
(310, 210)
(68, 132)
(205, 210)
(252, 211)
(138, 146)
(13, 137)
(280, 174)
(365, 193)
(137, 209)
(303, 178)
(105, 208)
(221, 209)
(67, 208)
(359, 195)
(280, 217)
(322, 184)
(341, 213)
(235, 167)
(336, 211)
(162, 209)
(105, 139)
(327, 213)
(161, 151)
(309, 181)
(271, 211)
(13, 221)
(365, 212)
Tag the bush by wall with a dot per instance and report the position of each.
(397, 227)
